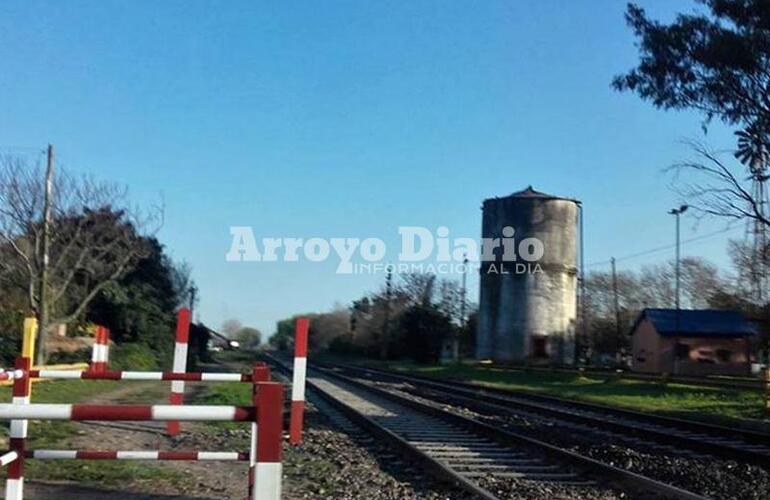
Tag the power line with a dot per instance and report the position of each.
(22, 150)
(665, 247)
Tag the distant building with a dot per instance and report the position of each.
(691, 342)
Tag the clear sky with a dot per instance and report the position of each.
(345, 118)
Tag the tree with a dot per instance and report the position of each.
(139, 307)
(325, 327)
(248, 337)
(651, 286)
(182, 280)
(450, 300)
(231, 326)
(421, 333)
(717, 62)
(95, 238)
(283, 337)
(423, 312)
(418, 287)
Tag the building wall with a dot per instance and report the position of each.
(707, 356)
(645, 348)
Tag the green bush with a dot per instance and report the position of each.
(61, 357)
(344, 345)
(132, 356)
(10, 336)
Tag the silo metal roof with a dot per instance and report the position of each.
(529, 192)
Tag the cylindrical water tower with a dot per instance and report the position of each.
(528, 306)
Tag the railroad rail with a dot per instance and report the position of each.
(476, 456)
(725, 442)
(715, 381)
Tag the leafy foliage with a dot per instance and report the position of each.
(412, 321)
(717, 62)
(421, 334)
(248, 337)
(139, 308)
(133, 356)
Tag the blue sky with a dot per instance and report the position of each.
(345, 118)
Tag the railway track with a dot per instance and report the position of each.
(721, 382)
(675, 435)
(484, 460)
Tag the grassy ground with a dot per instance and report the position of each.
(64, 391)
(49, 434)
(722, 406)
(57, 435)
(227, 393)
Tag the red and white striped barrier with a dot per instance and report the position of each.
(135, 455)
(11, 375)
(265, 416)
(129, 375)
(180, 364)
(298, 381)
(260, 372)
(14, 484)
(267, 472)
(191, 413)
(8, 457)
(101, 352)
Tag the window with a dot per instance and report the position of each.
(539, 347)
(682, 351)
(724, 355)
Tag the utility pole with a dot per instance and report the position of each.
(616, 300)
(463, 322)
(676, 212)
(386, 323)
(464, 293)
(193, 293)
(583, 319)
(42, 304)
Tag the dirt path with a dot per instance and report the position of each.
(35, 490)
(199, 480)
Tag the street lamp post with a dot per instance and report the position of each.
(677, 212)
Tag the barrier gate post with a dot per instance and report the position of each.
(268, 469)
(100, 354)
(180, 364)
(14, 484)
(260, 372)
(298, 381)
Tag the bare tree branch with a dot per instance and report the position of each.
(96, 237)
(718, 190)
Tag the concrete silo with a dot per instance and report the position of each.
(527, 310)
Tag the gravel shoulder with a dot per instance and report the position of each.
(707, 475)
